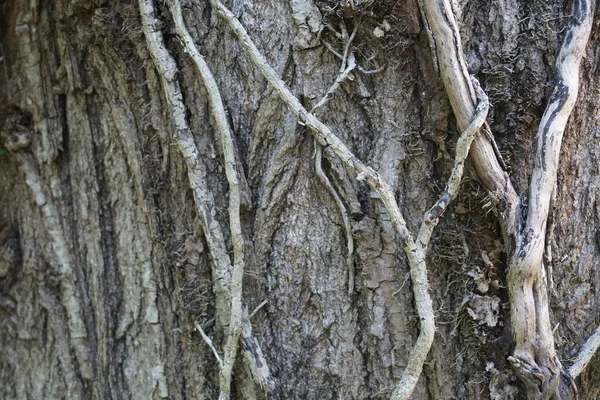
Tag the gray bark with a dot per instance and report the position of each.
(78, 78)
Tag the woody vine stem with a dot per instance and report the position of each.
(534, 358)
(415, 250)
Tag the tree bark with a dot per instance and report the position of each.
(110, 253)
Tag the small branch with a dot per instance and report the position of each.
(342, 208)
(349, 61)
(371, 71)
(585, 354)
(257, 309)
(332, 50)
(209, 343)
(348, 40)
(347, 65)
(338, 81)
(463, 145)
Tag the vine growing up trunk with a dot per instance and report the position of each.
(201, 202)
(534, 357)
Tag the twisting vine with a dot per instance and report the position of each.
(534, 357)
(235, 226)
(228, 279)
(415, 250)
(537, 365)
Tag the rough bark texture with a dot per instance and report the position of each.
(77, 78)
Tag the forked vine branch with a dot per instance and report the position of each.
(415, 251)
(227, 278)
(534, 357)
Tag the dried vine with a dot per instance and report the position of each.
(347, 66)
(585, 354)
(228, 282)
(537, 366)
(534, 357)
(415, 251)
(235, 226)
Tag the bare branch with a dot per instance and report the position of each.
(350, 62)
(209, 343)
(257, 309)
(165, 65)
(530, 319)
(585, 354)
(332, 50)
(371, 71)
(348, 42)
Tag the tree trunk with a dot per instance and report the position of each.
(107, 263)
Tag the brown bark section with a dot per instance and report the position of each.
(102, 141)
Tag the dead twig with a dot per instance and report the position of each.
(209, 342)
(257, 309)
(585, 354)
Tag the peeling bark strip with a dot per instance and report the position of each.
(228, 280)
(415, 251)
(16, 138)
(534, 358)
(62, 259)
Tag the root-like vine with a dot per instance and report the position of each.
(415, 252)
(228, 282)
(534, 358)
